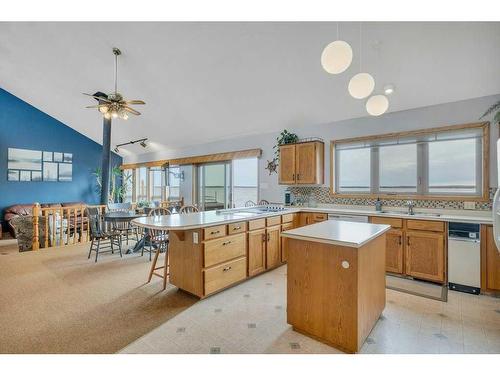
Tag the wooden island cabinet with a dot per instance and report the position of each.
(490, 261)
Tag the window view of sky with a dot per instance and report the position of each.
(354, 168)
(398, 168)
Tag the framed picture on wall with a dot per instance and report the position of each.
(65, 172)
(25, 176)
(13, 175)
(36, 176)
(68, 158)
(47, 156)
(19, 158)
(50, 172)
(58, 156)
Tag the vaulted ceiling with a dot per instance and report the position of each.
(208, 81)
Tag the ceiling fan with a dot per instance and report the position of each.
(114, 105)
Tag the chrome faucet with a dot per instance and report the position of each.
(410, 205)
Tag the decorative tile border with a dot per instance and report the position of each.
(321, 194)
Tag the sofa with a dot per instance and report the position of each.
(27, 210)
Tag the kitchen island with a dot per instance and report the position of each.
(336, 281)
(213, 250)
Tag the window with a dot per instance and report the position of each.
(245, 181)
(173, 183)
(398, 168)
(141, 184)
(354, 170)
(435, 163)
(128, 183)
(156, 184)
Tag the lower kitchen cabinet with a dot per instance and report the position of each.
(394, 251)
(425, 255)
(273, 246)
(256, 251)
(490, 262)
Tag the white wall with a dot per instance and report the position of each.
(427, 117)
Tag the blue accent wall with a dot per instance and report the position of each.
(24, 126)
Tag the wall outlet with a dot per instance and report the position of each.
(195, 237)
(469, 205)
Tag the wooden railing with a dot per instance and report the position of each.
(61, 226)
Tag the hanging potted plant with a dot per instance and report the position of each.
(495, 108)
(284, 138)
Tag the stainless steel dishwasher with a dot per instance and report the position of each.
(464, 258)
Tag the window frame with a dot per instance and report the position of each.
(421, 170)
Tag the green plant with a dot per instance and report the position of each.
(494, 108)
(284, 138)
(143, 204)
(116, 192)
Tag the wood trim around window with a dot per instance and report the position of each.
(485, 173)
(222, 156)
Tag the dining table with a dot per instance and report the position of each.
(116, 217)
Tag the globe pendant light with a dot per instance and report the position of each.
(336, 56)
(361, 85)
(377, 105)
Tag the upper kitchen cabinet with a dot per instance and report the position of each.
(302, 163)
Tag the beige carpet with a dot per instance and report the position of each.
(57, 301)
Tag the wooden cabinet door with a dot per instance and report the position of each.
(394, 251)
(425, 255)
(305, 218)
(492, 262)
(273, 246)
(287, 165)
(284, 254)
(256, 251)
(305, 163)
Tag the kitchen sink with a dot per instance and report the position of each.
(430, 214)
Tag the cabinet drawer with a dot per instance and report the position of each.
(257, 224)
(319, 216)
(275, 220)
(393, 222)
(219, 277)
(223, 249)
(433, 226)
(234, 228)
(214, 232)
(288, 218)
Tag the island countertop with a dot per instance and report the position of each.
(342, 233)
(205, 219)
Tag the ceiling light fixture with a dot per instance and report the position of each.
(377, 105)
(141, 141)
(388, 89)
(143, 144)
(336, 56)
(362, 84)
(117, 150)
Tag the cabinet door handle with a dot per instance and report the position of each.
(268, 237)
(226, 243)
(408, 241)
(226, 269)
(263, 237)
(298, 176)
(400, 239)
(215, 232)
(293, 176)
(236, 228)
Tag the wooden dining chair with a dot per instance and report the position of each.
(99, 237)
(249, 204)
(188, 209)
(158, 240)
(125, 228)
(263, 202)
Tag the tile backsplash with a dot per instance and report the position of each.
(321, 194)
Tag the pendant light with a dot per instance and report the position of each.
(377, 105)
(336, 56)
(362, 84)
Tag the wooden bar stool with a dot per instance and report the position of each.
(158, 240)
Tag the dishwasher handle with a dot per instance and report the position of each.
(464, 239)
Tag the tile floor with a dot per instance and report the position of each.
(251, 318)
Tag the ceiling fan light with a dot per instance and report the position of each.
(361, 85)
(103, 109)
(107, 115)
(336, 57)
(124, 116)
(114, 114)
(377, 105)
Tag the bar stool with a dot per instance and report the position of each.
(158, 240)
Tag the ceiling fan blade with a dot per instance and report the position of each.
(134, 102)
(131, 110)
(99, 98)
(97, 106)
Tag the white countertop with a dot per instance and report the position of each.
(341, 233)
(202, 219)
(211, 218)
(466, 216)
